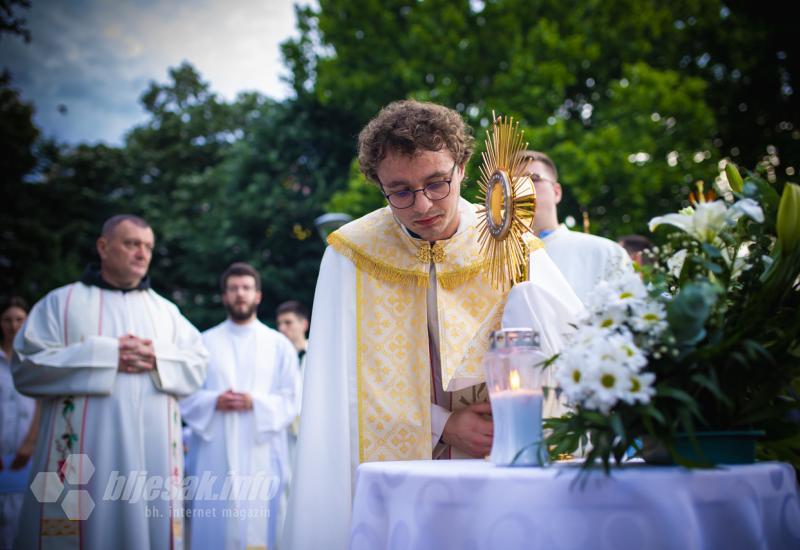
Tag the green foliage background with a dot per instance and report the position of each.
(634, 100)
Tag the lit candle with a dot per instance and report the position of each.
(517, 417)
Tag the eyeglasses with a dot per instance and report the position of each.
(435, 191)
(536, 178)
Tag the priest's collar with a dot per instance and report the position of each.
(92, 277)
(240, 329)
(559, 229)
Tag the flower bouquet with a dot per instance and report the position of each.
(707, 338)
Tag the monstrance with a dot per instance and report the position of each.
(509, 204)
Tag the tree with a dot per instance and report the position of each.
(223, 182)
(218, 181)
(634, 99)
(17, 134)
(11, 23)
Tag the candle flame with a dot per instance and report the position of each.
(513, 379)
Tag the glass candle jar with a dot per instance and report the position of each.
(515, 379)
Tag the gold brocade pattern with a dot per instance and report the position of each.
(393, 371)
(428, 253)
(60, 527)
(393, 363)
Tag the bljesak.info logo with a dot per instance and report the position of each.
(68, 487)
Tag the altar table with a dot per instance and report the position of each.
(472, 505)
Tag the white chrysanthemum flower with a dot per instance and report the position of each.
(617, 300)
(608, 385)
(649, 317)
(641, 388)
(632, 283)
(622, 350)
(612, 318)
(594, 369)
(636, 360)
(575, 365)
(571, 377)
(600, 296)
(585, 336)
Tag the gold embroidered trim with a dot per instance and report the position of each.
(386, 272)
(359, 377)
(60, 527)
(534, 243)
(453, 279)
(373, 267)
(427, 253)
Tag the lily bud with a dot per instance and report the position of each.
(789, 219)
(734, 178)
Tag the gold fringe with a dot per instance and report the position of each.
(386, 272)
(375, 268)
(453, 279)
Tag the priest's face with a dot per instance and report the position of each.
(125, 254)
(10, 322)
(433, 219)
(241, 298)
(548, 194)
(293, 327)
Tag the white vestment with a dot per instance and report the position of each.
(127, 425)
(16, 415)
(328, 453)
(257, 360)
(585, 259)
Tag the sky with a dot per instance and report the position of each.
(96, 57)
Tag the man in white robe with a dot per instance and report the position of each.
(401, 311)
(584, 259)
(19, 425)
(107, 357)
(291, 320)
(239, 422)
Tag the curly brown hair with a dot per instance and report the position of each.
(409, 126)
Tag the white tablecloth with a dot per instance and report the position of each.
(471, 505)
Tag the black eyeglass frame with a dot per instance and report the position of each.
(422, 190)
(536, 178)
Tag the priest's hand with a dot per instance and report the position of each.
(467, 430)
(246, 401)
(136, 354)
(234, 401)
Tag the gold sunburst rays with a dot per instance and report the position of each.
(509, 204)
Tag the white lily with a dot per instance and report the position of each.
(703, 222)
(746, 207)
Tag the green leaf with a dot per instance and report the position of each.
(617, 426)
(734, 178)
(788, 223)
(655, 413)
(712, 386)
(690, 309)
(714, 268)
(711, 250)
